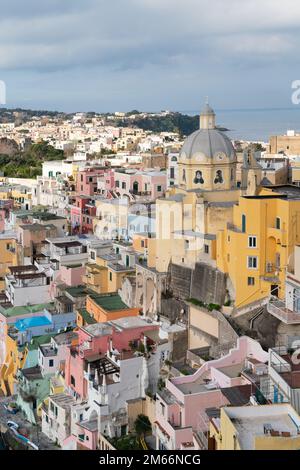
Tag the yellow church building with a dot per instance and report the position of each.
(190, 215)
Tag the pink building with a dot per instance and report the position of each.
(182, 408)
(82, 212)
(151, 183)
(106, 183)
(2, 220)
(93, 343)
(86, 180)
(67, 275)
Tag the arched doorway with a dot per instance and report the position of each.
(135, 187)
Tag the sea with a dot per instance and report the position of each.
(256, 124)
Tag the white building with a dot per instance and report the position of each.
(26, 285)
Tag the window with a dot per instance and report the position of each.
(93, 255)
(252, 242)
(252, 262)
(278, 222)
(206, 249)
(51, 362)
(110, 276)
(117, 184)
(72, 381)
(243, 223)
(90, 179)
(142, 243)
(251, 281)
(123, 185)
(172, 172)
(159, 189)
(162, 408)
(218, 177)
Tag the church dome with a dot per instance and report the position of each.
(209, 143)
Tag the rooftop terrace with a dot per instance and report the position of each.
(109, 302)
(25, 310)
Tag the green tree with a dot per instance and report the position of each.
(142, 425)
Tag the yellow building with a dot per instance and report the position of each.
(107, 274)
(9, 256)
(254, 250)
(289, 143)
(96, 277)
(263, 427)
(14, 360)
(189, 217)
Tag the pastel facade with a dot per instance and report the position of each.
(151, 184)
(256, 247)
(82, 212)
(86, 181)
(95, 340)
(176, 415)
(264, 427)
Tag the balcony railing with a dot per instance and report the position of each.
(279, 310)
(140, 193)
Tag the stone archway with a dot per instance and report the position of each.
(149, 287)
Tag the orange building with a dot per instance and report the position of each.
(106, 307)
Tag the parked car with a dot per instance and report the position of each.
(12, 425)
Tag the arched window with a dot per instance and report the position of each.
(219, 177)
(198, 177)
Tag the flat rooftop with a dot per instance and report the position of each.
(32, 322)
(98, 329)
(109, 302)
(285, 191)
(78, 291)
(251, 421)
(25, 310)
(32, 373)
(62, 400)
(130, 322)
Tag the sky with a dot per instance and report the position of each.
(119, 55)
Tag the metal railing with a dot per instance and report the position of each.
(279, 310)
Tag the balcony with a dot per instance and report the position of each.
(234, 228)
(278, 234)
(140, 193)
(279, 310)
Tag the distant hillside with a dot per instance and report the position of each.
(173, 122)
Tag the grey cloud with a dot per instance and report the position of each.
(125, 47)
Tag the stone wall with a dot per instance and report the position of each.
(203, 283)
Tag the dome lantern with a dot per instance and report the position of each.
(207, 117)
